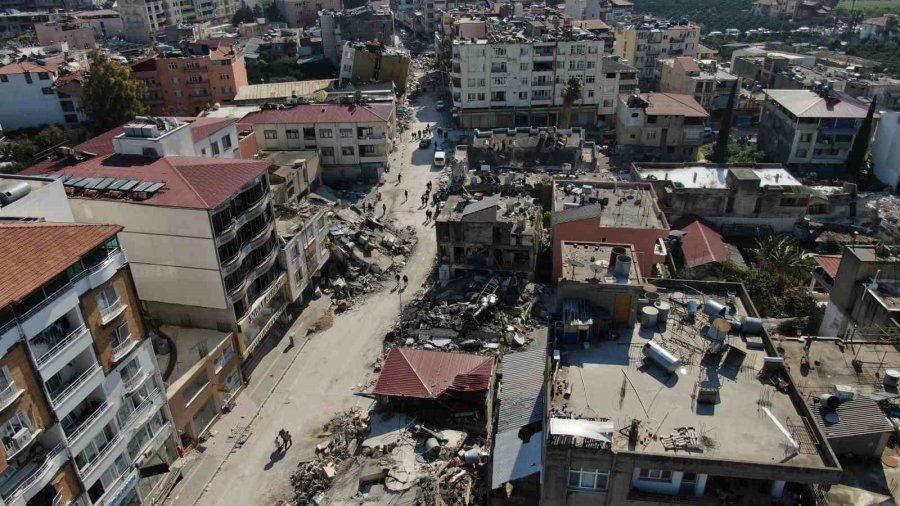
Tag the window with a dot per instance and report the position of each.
(499, 51)
(270, 134)
(325, 133)
(365, 132)
(67, 105)
(655, 475)
(292, 134)
(4, 79)
(226, 89)
(195, 79)
(108, 298)
(43, 76)
(175, 80)
(590, 93)
(327, 151)
(805, 137)
(178, 93)
(802, 153)
(590, 79)
(499, 81)
(28, 78)
(348, 68)
(224, 77)
(523, 51)
(578, 49)
(588, 479)
(196, 385)
(215, 148)
(476, 83)
(367, 150)
(472, 97)
(47, 91)
(173, 66)
(121, 335)
(498, 67)
(225, 356)
(226, 142)
(346, 132)
(590, 65)
(523, 95)
(523, 67)
(348, 151)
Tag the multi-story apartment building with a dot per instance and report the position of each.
(609, 11)
(303, 238)
(17, 22)
(37, 102)
(702, 80)
(515, 73)
(365, 63)
(810, 130)
(644, 43)
(200, 230)
(361, 24)
(145, 18)
(352, 140)
(83, 413)
(664, 125)
(183, 84)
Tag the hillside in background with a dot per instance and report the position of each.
(712, 15)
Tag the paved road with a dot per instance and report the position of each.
(301, 389)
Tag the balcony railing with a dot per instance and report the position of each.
(9, 394)
(84, 425)
(154, 441)
(39, 472)
(131, 383)
(123, 348)
(61, 345)
(144, 410)
(14, 447)
(57, 398)
(103, 452)
(111, 311)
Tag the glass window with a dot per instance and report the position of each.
(325, 133)
(346, 132)
(226, 142)
(196, 385)
(225, 356)
(120, 335)
(108, 297)
(327, 151)
(270, 134)
(588, 479)
(348, 151)
(656, 475)
(215, 148)
(292, 134)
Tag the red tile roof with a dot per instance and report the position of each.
(829, 263)
(32, 254)
(202, 128)
(688, 63)
(426, 374)
(670, 104)
(323, 113)
(592, 24)
(28, 66)
(702, 245)
(191, 182)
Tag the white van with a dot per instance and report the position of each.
(440, 158)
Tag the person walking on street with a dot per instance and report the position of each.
(399, 176)
(383, 209)
(428, 215)
(405, 195)
(405, 281)
(279, 445)
(288, 440)
(397, 277)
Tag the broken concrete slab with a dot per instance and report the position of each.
(371, 472)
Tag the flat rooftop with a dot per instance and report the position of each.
(613, 382)
(590, 261)
(626, 205)
(193, 345)
(715, 176)
(290, 221)
(506, 209)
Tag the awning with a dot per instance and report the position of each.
(598, 431)
(513, 458)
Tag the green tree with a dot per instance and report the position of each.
(243, 15)
(782, 258)
(891, 26)
(571, 93)
(856, 159)
(257, 12)
(720, 153)
(273, 13)
(111, 95)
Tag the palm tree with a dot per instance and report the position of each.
(782, 257)
(570, 94)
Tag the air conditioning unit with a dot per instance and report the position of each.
(22, 437)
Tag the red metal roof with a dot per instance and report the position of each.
(829, 263)
(323, 113)
(29, 66)
(190, 182)
(427, 374)
(702, 245)
(32, 254)
(202, 128)
(688, 64)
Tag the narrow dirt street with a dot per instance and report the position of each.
(321, 376)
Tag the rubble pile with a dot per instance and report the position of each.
(476, 315)
(341, 436)
(370, 251)
(887, 209)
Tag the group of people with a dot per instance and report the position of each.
(420, 134)
(283, 441)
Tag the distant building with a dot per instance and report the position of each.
(361, 24)
(353, 141)
(886, 148)
(28, 197)
(492, 235)
(863, 290)
(810, 131)
(364, 63)
(77, 33)
(668, 126)
(280, 93)
(762, 66)
(33, 83)
(605, 212)
(609, 11)
(183, 84)
(763, 196)
(13, 23)
(143, 19)
(644, 43)
(702, 80)
(874, 28)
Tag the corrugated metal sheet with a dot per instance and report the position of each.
(514, 458)
(829, 263)
(521, 389)
(409, 372)
(856, 417)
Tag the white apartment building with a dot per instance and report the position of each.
(303, 233)
(159, 137)
(83, 417)
(357, 137)
(515, 75)
(144, 18)
(199, 230)
(37, 101)
(643, 44)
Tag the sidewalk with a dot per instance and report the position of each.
(231, 430)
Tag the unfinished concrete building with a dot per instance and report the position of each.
(753, 195)
(362, 24)
(690, 404)
(547, 148)
(494, 234)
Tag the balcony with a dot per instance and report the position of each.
(372, 158)
(66, 399)
(9, 395)
(96, 420)
(20, 441)
(108, 314)
(120, 488)
(63, 352)
(122, 349)
(251, 244)
(364, 140)
(263, 266)
(93, 469)
(155, 442)
(226, 234)
(33, 477)
(131, 383)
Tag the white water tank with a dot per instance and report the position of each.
(661, 356)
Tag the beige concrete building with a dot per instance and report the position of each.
(365, 63)
(644, 43)
(668, 126)
(699, 79)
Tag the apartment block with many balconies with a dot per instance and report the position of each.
(200, 230)
(83, 418)
(644, 43)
